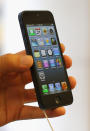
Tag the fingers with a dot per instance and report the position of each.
(15, 63)
(29, 112)
(30, 96)
(26, 77)
(72, 81)
(68, 61)
(62, 47)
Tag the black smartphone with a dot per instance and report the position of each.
(48, 71)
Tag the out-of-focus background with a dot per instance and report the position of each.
(73, 25)
(1, 25)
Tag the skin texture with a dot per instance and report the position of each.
(14, 75)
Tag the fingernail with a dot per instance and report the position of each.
(61, 110)
(26, 61)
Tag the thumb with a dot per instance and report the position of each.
(15, 63)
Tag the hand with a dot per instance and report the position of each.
(14, 75)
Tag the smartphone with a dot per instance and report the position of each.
(48, 71)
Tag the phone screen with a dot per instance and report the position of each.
(47, 58)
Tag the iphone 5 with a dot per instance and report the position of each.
(48, 71)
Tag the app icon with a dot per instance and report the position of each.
(31, 32)
(58, 62)
(52, 62)
(42, 76)
(37, 31)
(45, 88)
(36, 53)
(39, 64)
(53, 40)
(34, 42)
(44, 31)
(43, 53)
(45, 63)
(40, 41)
(51, 87)
(51, 31)
(47, 41)
(50, 53)
(58, 86)
(56, 51)
(64, 85)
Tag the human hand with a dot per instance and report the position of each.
(14, 75)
